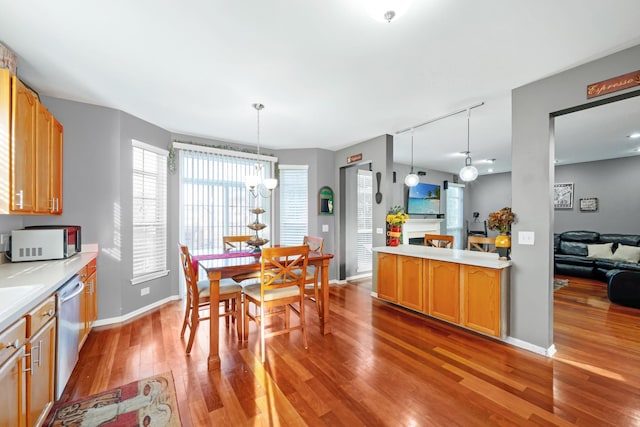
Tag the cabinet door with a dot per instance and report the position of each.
(91, 303)
(481, 299)
(12, 398)
(42, 155)
(23, 119)
(410, 283)
(387, 277)
(40, 382)
(444, 290)
(55, 166)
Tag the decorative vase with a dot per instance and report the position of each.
(503, 246)
(393, 235)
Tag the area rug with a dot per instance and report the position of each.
(147, 402)
(559, 283)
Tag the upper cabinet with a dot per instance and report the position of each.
(30, 152)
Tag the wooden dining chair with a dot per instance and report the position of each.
(438, 240)
(481, 243)
(235, 242)
(311, 292)
(282, 275)
(198, 300)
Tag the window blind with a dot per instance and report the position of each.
(294, 203)
(214, 201)
(364, 221)
(149, 212)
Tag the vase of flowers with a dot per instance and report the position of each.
(501, 221)
(395, 218)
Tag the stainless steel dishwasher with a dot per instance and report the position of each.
(68, 300)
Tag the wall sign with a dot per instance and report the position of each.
(354, 158)
(613, 85)
(563, 195)
(589, 204)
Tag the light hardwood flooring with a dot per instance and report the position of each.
(385, 366)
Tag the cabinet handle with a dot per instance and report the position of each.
(48, 313)
(39, 353)
(20, 195)
(14, 344)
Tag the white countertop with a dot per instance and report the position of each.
(23, 285)
(480, 259)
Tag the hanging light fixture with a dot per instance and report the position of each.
(387, 10)
(468, 172)
(412, 179)
(255, 183)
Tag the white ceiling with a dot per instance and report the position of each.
(328, 74)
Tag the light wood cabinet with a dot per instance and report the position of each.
(387, 277)
(481, 298)
(13, 405)
(410, 282)
(30, 152)
(444, 290)
(41, 349)
(89, 301)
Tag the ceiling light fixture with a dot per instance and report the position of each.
(468, 172)
(255, 183)
(387, 10)
(634, 135)
(412, 179)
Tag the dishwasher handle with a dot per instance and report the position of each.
(68, 293)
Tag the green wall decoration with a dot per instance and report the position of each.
(325, 201)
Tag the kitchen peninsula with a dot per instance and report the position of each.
(466, 288)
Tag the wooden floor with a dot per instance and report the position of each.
(384, 366)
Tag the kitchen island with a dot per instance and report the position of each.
(466, 288)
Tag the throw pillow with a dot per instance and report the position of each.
(627, 253)
(600, 251)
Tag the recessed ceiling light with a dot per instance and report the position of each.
(490, 170)
(634, 135)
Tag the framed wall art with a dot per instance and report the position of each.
(563, 195)
(589, 204)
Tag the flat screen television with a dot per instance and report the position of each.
(423, 199)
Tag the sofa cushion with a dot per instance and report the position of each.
(601, 250)
(574, 260)
(573, 248)
(580, 236)
(625, 239)
(606, 264)
(631, 266)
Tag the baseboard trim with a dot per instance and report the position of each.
(138, 312)
(547, 352)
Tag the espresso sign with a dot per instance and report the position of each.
(354, 158)
(613, 85)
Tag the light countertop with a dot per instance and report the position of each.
(480, 259)
(23, 285)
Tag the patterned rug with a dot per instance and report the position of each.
(148, 402)
(559, 283)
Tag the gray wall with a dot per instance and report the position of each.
(616, 184)
(532, 178)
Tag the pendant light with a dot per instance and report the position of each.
(412, 179)
(468, 172)
(255, 183)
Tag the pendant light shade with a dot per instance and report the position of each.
(468, 172)
(412, 179)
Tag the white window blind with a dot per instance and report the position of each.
(294, 203)
(149, 212)
(214, 201)
(365, 221)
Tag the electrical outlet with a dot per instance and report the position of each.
(3, 240)
(144, 291)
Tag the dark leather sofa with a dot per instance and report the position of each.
(571, 249)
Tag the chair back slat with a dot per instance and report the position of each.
(439, 240)
(235, 242)
(283, 266)
(481, 243)
(190, 276)
(316, 244)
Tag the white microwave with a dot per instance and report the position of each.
(39, 244)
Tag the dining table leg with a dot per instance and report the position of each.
(325, 327)
(214, 320)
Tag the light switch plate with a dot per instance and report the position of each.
(379, 231)
(526, 237)
(325, 228)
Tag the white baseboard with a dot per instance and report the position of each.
(547, 352)
(138, 312)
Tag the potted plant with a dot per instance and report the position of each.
(395, 218)
(501, 221)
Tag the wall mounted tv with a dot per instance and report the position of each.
(423, 199)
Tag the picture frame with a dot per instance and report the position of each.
(563, 195)
(325, 201)
(589, 204)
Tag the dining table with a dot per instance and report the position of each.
(227, 264)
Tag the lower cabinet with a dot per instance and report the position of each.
(13, 379)
(88, 301)
(470, 296)
(41, 349)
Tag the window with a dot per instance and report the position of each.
(365, 221)
(149, 212)
(294, 204)
(214, 201)
(455, 213)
